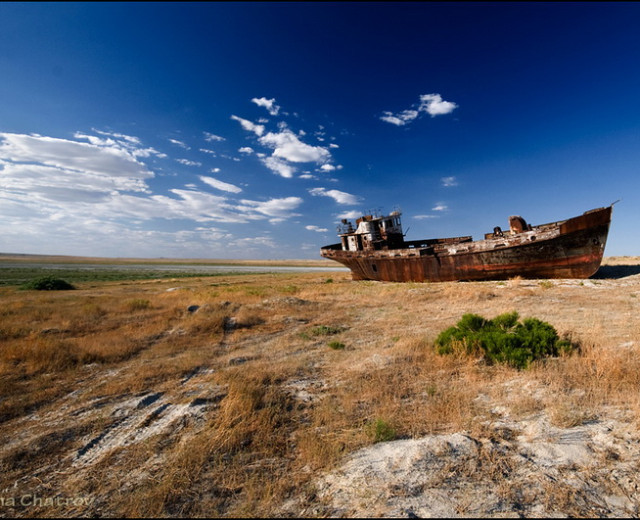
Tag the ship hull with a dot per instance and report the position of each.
(568, 249)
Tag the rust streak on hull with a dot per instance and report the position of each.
(567, 249)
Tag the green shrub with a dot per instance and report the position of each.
(47, 283)
(380, 431)
(325, 330)
(336, 345)
(503, 339)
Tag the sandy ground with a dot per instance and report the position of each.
(537, 469)
(435, 476)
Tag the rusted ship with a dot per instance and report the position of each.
(375, 249)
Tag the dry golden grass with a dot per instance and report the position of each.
(125, 393)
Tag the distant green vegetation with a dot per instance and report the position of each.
(47, 283)
(22, 275)
(503, 339)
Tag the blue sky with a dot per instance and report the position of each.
(248, 130)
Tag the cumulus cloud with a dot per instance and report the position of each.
(187, 162)
(340, 197)
(44, 180)
(404, 117)
(279, 166)
(286, 145)
(212, 137)
(349, 215)
(288, 149)
(432, 104)
(449, 181)
(130, 143)
(280, 208)
(440, 206)
(72, 160)
(249, 126)
(220, 185)
(317, 229)
(269, 104)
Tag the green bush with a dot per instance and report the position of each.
(336, 345)
(325, 330)
(503, 339)
(47, 283)
(380, 431)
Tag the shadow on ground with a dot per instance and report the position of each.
(617, 271)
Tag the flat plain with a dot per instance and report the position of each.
(312, 395)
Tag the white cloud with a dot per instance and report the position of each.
(316, 228)
(90, 196)
(253, 243)
(249, 126)
(422, 217)
(122, 137)
(126, 142)
(349, 215)
(432, 104)
(269, 104)
(44, 182)
(93, 237)
(440, 206)
(220, 185)
(212, 137)
(449, 181)
(279, 166)
(404, 117)
(340, 197)
(388, 117)
(210, 152)
(44, 179)
(187, 162)
(179, 143)
(327, 167)
(286, 145)
(279, 208)
(72, 159)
